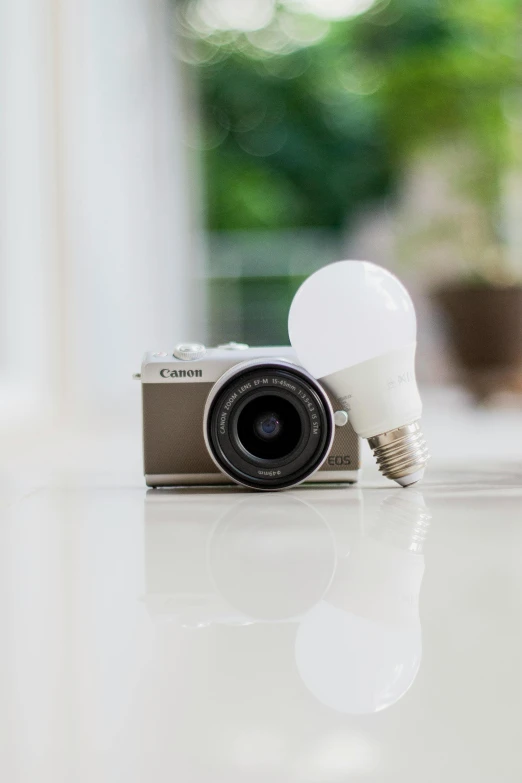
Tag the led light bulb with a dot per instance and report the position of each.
(353, 326)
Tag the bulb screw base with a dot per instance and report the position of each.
(401, 453)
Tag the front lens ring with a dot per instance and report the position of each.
(284, 379)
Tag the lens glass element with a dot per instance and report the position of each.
(269, 427)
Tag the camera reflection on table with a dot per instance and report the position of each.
(317, 588)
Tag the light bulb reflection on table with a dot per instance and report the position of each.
(359, 650)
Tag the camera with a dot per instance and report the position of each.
(236, 414)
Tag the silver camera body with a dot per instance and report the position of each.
(236, 414)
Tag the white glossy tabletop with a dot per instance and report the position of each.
(316, 635)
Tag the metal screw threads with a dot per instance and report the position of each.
(401, 453)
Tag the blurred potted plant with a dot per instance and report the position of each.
(448, 96)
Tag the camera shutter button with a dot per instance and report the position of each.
(189, 352)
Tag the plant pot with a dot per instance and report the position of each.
(484, 327)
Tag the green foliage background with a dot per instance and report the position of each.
(309, 137)
(306, 138)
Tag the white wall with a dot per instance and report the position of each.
(99, 251)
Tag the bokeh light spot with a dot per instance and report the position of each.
(244, 15)
(261, 144)
(331, 9)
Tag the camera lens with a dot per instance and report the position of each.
(268, 425)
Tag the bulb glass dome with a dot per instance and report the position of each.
(347, 313)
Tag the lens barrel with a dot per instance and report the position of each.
(268, 424)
